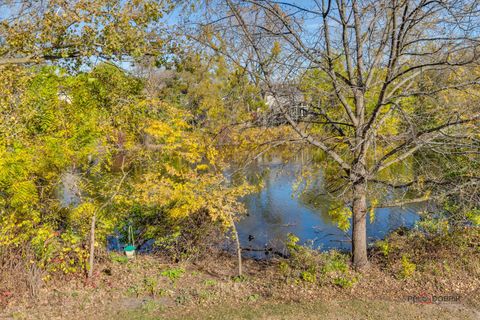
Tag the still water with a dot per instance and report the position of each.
(274, 212)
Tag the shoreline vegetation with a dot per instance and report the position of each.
(409, 272)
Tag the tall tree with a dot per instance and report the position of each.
(75, 34)
(80, 31)
(84, 123)
(378, 74)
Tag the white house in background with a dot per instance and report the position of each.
(288, 98)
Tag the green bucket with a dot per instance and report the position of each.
(129, 248)
(129, 251)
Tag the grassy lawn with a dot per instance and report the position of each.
(338, 310)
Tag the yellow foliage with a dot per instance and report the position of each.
(341, 215)
(373, 205)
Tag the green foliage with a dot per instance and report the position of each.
(345, 282)
(92, 143)
(150, 285)
(151, 306)
(134, 290)
(292, 243)
(302, 263)
(284, 268)
(384, 247)
(55, 136)
(210, 283)
(253, 297)
(214, 95)
(118, 258)
(341, 215)
(173, 274)
(311, 266)
(308, 276)
(408, 267)
(335, 262)
(433, 225)
(416, 252)
(74, 32)
(241, 278)
(474, 216)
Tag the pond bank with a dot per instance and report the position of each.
(151, 287)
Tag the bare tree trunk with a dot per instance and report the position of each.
(92, 246)
(94, 220)
(359, 230)
(239, 249)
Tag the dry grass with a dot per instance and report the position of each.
(152, 288)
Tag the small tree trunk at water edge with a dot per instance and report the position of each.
(92, 246)
(359, 230)
(238, 248)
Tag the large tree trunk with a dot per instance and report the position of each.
(359, 230)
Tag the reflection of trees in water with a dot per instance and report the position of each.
(317, 202)
(276, 176)
(270, 213)
(404, 217)
(394, 219)
(275, 206)
(266, 215)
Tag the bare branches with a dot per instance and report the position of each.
(307, 137)
(375, 74)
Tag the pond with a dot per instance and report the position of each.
(274, 212)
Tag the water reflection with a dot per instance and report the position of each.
(274, 212)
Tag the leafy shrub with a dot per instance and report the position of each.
(474, 216)
(309, 265)
(383, 246)
(303, 261)
(433, 225)
(408, 268)
(345, 281)
(335, 262)
(308, 276)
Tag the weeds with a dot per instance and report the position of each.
(334, 262)
(205, 295)
(151, 285)
(118, 258)
(345, 282)
(173, 274)
(383, 246)
(209, 283)
(253, 297)
(303, 262)
(431, 251)
(183, 298)
(308, 276)
(134, 290)
(308, 265)
(152, 306)
(241, 278)
(408, 268)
